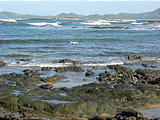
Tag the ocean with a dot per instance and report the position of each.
(40, 43)
(33, 44)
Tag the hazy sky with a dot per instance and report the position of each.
(84, 7)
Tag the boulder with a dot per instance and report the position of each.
(128, 114)
(67, 61)
(89, 73)
(30, 73)
(134, 57)
(156, 81)
(70, 68)
(46, 68)
(46, 86)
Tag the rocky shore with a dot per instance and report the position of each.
(118, 92)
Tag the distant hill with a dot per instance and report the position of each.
(147, 15)
(11, 15)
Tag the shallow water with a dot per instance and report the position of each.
(151, 113)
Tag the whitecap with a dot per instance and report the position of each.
(45, 24)
(128, 20)
(8, 20)
(136, 23)
(156, 25)
(99, 22)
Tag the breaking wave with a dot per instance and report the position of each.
(8, 20)
(41, 24)
(99, 22)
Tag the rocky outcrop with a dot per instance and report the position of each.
(89, 73)
(46, 86)
(129, 114)
(55, 78)
(134, 57)
(46, 68)
(30, 73)
(70, 68)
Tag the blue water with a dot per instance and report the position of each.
(45, 45)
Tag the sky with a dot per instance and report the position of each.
(83, 7)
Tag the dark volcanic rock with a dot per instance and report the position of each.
(89, 73)
(70, 68)
(145, 65)
(156, 81)
(120, 68)
(46, 68)
(30, 73)
(55, 78)
(107, 76)
(129, 114)
(147, 75)
(26, 111)
(46, 86)
(134, 57)
(68, 61)
(123, 75)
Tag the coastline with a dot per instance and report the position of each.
(127, 90)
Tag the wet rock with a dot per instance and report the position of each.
(68, 61)
(89, 73)
(107, 76)
(134, 57)
(46, 68)
(46, 86)
(22, 81)
(156, 81)
(3, 63)
(13, 116)
(145, 65)
(70, 68)
(30, 73)
(26, 111)
(153, 66)
(120, 69)
(85, 80)
(24, 59)
(148, 65)
(129, 114)
(61, 69)
(96, 118)
(55, 78)
(147, 74)
(2, 111)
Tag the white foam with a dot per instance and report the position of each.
(135, 23)
(128, 20)
(45, 24)
(99, 22)
(156, 25)
(8, 20)
(102, 64)
(39, 64)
